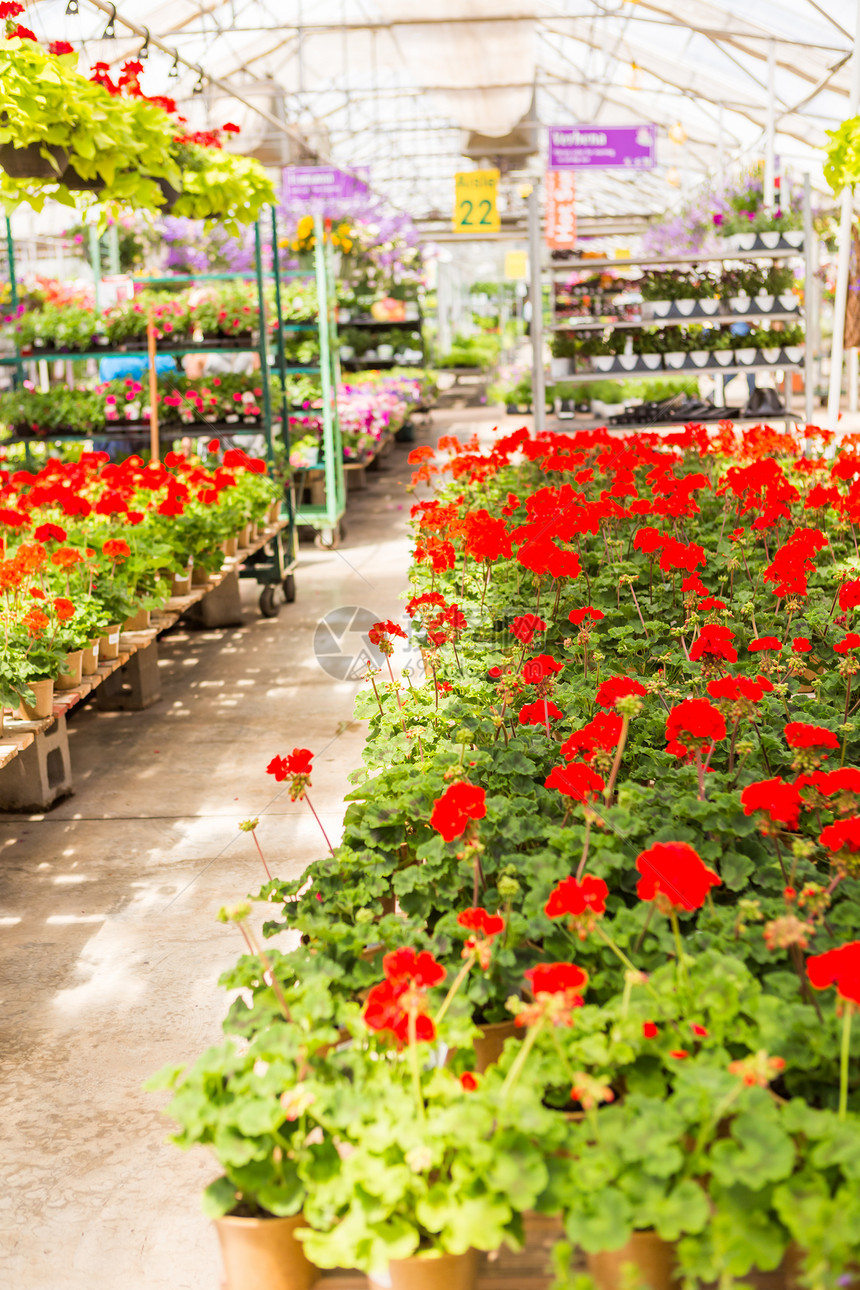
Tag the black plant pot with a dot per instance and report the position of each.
(77, 184)
(28, 162)
(170, 194)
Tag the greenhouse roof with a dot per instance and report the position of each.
(403, 88)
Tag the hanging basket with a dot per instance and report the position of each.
(77, 184)
(170, 194)
(30, 163)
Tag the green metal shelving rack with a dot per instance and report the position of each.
(275, 564)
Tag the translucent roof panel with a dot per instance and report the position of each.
(402, 85)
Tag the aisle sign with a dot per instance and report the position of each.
(303, 184)
(602, 147)
(475, 194)
(516, 265)
(560, 210)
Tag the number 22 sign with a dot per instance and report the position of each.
(475, 209)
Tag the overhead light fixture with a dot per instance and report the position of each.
(72, 8)
(173, 74)
(677, 133)
(672, 177)
(143, 52)
(109, 32)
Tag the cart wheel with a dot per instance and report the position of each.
(268, 602)
(328, 539)
(289, 586)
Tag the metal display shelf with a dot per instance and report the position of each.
(79, 356)
(659, 262)
(712, 369)
(640, 323)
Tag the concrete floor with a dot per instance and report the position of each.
(109, 949)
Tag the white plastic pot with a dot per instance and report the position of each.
(788, 302)
(685, 307)
(602, 362)
(745, 356)
(700, 357)
(675, 360)
(724, 357)
(650, 362)
(770, 240)
(764, 304)
(709, 306)
(794, 237)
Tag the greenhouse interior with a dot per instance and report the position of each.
(422, 867)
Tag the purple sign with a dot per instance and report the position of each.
(303, 184)
(602, 147)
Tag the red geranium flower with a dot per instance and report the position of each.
(575, 780)
(692, 724)
(578, 616)
(673, 873)
(557, 991)
(537, 669)
(526, 626)
(599, 736)
(572, 898)
(296, 767)
(849, 642)
(799, 734)
(468, 1081)
(453, 811)
(116, 549)
(64, 609)
(764, 643)
(801, 645)
(487, 927)
(650, 1030)
(618, 687)
(839, 967)
(714, 642)
(779, 801)
(539, 713)
(49, 533)
(420, 969)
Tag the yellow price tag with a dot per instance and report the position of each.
(516, 265)
(475, 194)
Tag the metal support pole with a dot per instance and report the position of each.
(770, 129)
(809, 296)
(843, 263)
(536, 297)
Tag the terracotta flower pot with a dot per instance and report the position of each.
(90, 659)
(490, 1042)
(43, 705)
(182, 581)
(109, 643)
(71, 680)
(653, 1258)
(444, 1272)
(138, 622)
(231, 546)
(244, 536)
(199, 576)
(263, 1254)
(274, 513)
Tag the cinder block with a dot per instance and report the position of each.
(220, 607)
(133, 687)
(40, 774)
